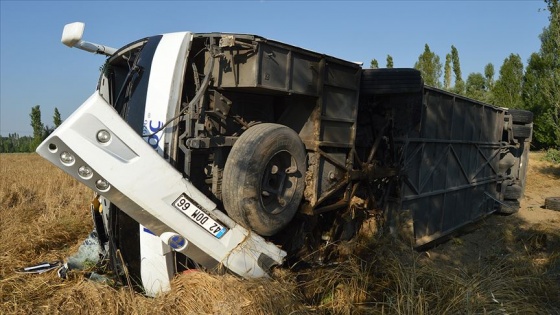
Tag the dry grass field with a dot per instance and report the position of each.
(503, 265)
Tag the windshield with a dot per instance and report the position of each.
(124, 80)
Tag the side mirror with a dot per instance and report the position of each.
(72, 33)
(72, 37)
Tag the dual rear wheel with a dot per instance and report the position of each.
(517, 160)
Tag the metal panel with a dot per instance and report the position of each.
(305, 74)
(451, 168)
(339, 103)
(337, 133)
(273, 66)
(345, 76)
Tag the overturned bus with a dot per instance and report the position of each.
(235, 152)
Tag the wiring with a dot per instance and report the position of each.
(195, 100)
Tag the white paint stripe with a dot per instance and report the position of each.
(164, 91)
(162, 99)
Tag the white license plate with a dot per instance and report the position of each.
(189, 208)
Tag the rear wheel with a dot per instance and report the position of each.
(522, 131)
(520, 116)
(513, 192)
(264, 178)
(508, 207)
(513, 164)
(390, 81)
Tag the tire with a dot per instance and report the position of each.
(523, 164)
(506, 162)
(513, 192)
(508, 207)
(264, 178)
(390, 81)
(520, 116)
(552, 203)
(522, 131)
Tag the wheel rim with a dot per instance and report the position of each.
(278, 184)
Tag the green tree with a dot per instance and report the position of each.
(37, 126)
(489, 76)
(459, 87)
(430, 66)
(374, 64)
(389, 61)
(21, 144)
(56, 118)
(5, 145)
(476, 86)
(507, 89)
(541, 87)
(47, 130)
(14, 143)
(447, 73)
(456, 63)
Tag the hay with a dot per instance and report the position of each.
(45, 217)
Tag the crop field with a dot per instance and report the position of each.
(501, 265)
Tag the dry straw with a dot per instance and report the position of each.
(44, 216)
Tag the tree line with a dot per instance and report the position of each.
(535, 87)
(14, 143)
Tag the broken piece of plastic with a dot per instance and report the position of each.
(62, 271)
(40, 267)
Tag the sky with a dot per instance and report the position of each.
(37, 69)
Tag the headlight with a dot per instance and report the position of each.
(67, 158)
(103, 136)
(102, 185)
(85, 172)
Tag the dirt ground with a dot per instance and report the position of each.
(534, 230)
(500, 265)
(543, 181)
